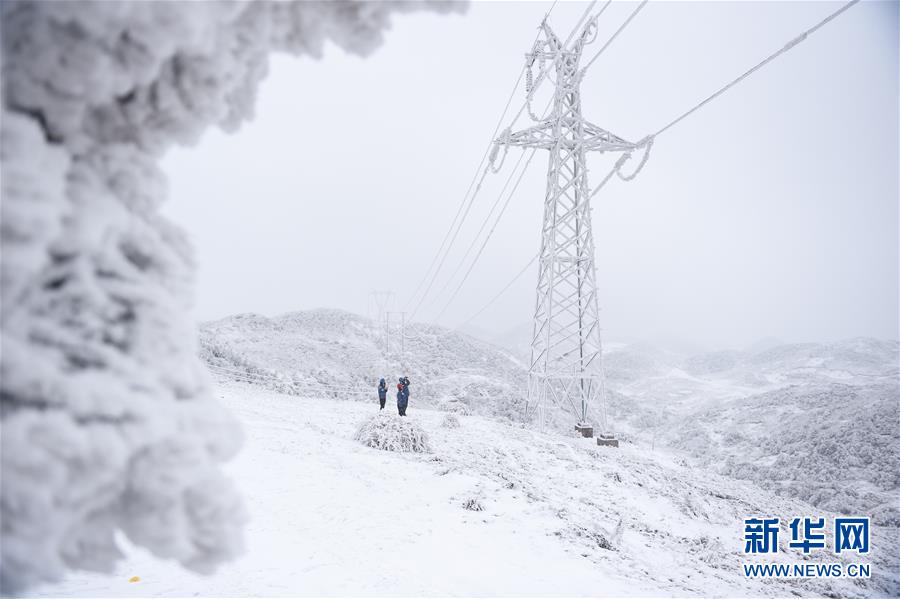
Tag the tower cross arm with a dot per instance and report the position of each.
(543, 136)
(538, 136)
(599, 139)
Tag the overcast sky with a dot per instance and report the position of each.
(773, 211)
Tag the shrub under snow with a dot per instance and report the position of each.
(108, 421)
(392, 432)
(454, 406)
(473, 504)
(450, 421)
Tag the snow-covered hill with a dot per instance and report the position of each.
(338, 354)
(816, 421)
(813, 421)
(836, 445)
(558, 516)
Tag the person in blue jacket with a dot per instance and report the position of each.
(382, 392)
(402, 395)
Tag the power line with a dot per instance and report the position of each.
(614, 35)
(488, 304)
(452, 241)
(647, 142)
(472, 183)
(490, 233)
(468, 191)
(788, 46)
(499, 294)
(484, 223)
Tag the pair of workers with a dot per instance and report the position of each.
(402, 394)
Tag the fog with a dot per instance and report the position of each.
(773, 211)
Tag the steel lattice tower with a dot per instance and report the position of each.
(565, 345)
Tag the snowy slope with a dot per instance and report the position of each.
(561, 516)
(339, 354)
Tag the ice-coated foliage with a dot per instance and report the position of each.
(813, 421)
(450, 421)
(855, 439)
(392, 432)
(473, 504)
(454, 406)
(107, 417)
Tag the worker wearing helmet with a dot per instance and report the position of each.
(402, 395)
(382, 392)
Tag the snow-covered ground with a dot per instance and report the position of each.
(560, 516)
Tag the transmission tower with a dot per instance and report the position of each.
(566, 363)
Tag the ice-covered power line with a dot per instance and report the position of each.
(498, 295)
(489, 235)
(446, 253)
(484, 223)
(614, 36)
(484, 307)
(647, 143)
(783, 50)
(472, 185)
(466, 197)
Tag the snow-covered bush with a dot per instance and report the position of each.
(450, 421)
(392, 432)
(592, 537)
(473, 504)
(454, 406)
(855, 438)
(108, 421)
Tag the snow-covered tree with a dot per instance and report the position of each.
(107, 417)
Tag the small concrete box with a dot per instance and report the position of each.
(585, 429)
(607, 441)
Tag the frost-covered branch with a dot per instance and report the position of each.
(107, 417)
